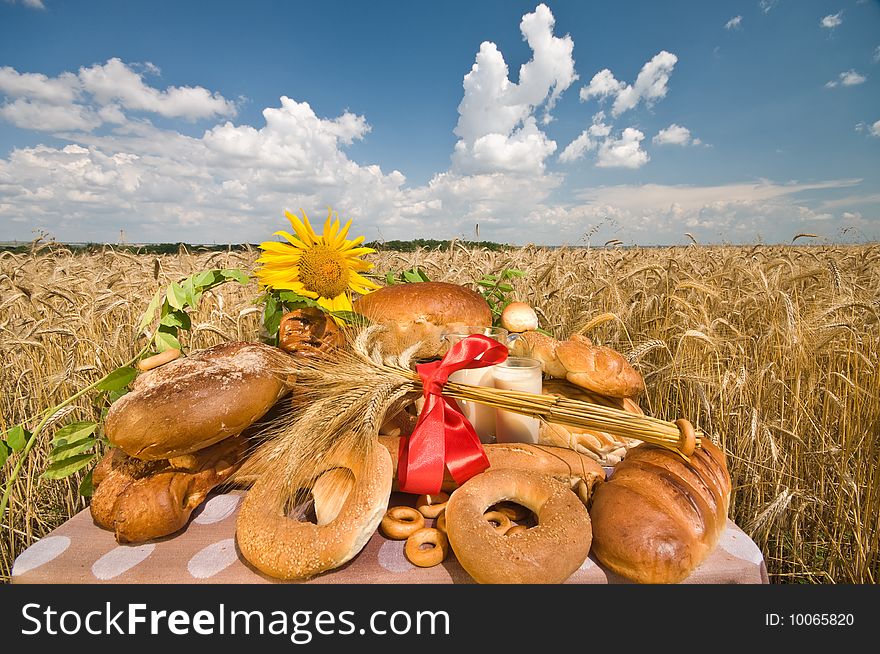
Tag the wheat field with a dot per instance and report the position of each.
(771, 350)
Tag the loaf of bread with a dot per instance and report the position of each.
(596, 368)
(422, 313)
(142, 500)
(193, 402)
(658, 517)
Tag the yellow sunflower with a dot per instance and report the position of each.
(325, 268)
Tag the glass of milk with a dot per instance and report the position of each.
(482, 417)
(517, 374)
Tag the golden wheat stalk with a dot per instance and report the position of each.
(347, 396)
(679, 435)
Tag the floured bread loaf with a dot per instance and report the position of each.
(196, 401)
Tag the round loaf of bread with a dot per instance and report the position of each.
(519, 317)
(422, 312)
(196, 401)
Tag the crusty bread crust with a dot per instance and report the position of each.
(658, 516)
(196, 401)
(423, 311)
(142, 500)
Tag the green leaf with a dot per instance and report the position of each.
(187, 286)
(66, 467)
(86, 486)
(115, 395)
(74, 432)
(236, 275)
(147, 318)
(118, 379)
(176, 296)
(297, 300)
(68, 450)
(176, 318)
(17, 438)
(389, 278)
(4, 452)
(165, 340)
(206, 279)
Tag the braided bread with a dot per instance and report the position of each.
(596, 368)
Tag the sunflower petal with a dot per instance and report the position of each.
(294, 241)
(302, 228)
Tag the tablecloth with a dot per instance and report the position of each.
(205, 551)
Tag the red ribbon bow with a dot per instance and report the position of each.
(443, 437)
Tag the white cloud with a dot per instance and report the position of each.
(60, 90)
(846, 78)
(875, 129)
(650, 85)
(733, 23)
(99, 94)
(876, 57)
(115, 81)
(832, 20)
(497, 129)
(587, 141)
(47, 117)
(674, 135)
(601, 86)
(767, 5)
(735, 212)
(33, 4)
(625, 152)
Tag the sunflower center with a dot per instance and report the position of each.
(323, 271)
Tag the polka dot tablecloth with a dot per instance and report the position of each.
(205, 552)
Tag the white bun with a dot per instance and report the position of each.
(519, 317)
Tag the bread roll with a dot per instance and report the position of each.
(596, 368)
(541, 347)
(308, 332)
(658, 517)
(196, 401)
(422, 312)
(143, 500)
(600, 369)
(519, 317)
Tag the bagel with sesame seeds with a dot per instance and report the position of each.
(285, 547)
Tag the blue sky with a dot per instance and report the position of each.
(556, 123)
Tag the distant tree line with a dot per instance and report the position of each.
(175, 248)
